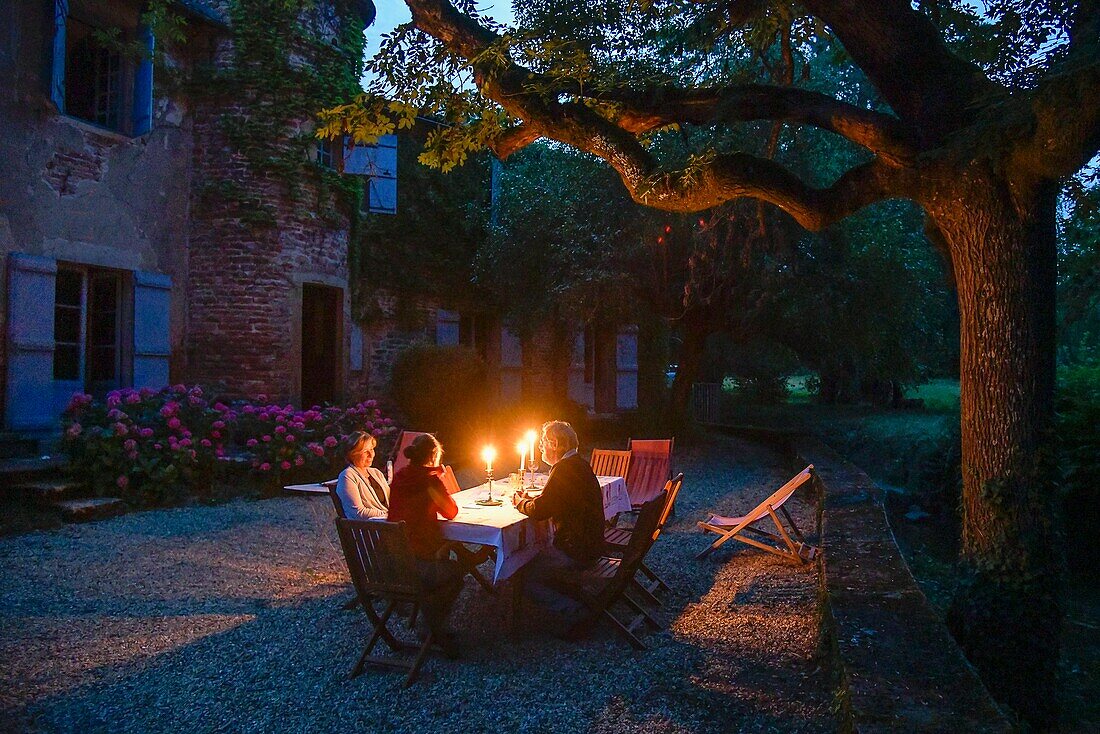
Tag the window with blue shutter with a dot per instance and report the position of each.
(30, 383)
(87, 78)
(378, 163)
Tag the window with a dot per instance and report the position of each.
(92, 81)
(87, 328)
(93, 77)
(329, 153)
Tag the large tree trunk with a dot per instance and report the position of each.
(1006, 615)
(690, 363)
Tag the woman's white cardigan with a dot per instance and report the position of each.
(360, 500)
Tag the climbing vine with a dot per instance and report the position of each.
(291, 59)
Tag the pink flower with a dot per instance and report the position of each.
(280, 429)
(290, 438)
(251, 442)
(147, 392)
(129, 444)
(205, 443)
(158, 446)
(123, 482)
(196, 391)
(114, 414)
(146, 432)
(218, 425)
(284, 465)
(132, 398)
(299, 460)
(173, 423)
(371, 403)
(215, 434)
(330, 441)
(179, 388)
(185, 433)
(121, 429)
(265, 466)
(265, 438)
(170, 408)
(185, 442)
(219, 451)
(113, 399)
(74, 430)
(191, 454)
(317, 449)
(222, 407)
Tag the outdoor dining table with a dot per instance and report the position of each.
(516, 537)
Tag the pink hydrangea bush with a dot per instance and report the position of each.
(148, 445)
(287, 444)
(155, 447)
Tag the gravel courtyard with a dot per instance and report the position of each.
(228, 619)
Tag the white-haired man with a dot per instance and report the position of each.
(573, 502)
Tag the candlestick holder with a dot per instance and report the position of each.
(489, 501)
(531, 472)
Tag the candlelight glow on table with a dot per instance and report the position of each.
(531, 438)
(487, 455)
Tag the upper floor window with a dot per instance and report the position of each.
(92, 80)
(93, 77)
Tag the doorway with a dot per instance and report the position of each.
(322, 319)
(88, 321)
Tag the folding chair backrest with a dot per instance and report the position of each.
(645, 531)
(450, 481)
(672, 488)
(379, 558)
(403, 442)
(781, 495)
(336, 501)
(608, 463)
(650, 468)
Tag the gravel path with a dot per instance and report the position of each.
(228, 619)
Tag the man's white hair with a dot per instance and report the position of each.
(560, 435)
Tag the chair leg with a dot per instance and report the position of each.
(351, 603)
(658, 582)
(646, 593)
(649, 618)
(423, 653)
(380, 629)
(786, 538)
(633, 639)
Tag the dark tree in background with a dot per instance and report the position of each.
(978, 120)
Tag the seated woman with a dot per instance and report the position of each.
(416, 496)
(363, 491)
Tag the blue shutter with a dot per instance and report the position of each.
(446, 328)
(378, 163)
(152, 344)
(57, 76)
(626, 364)
(143, 84)
(31, 287)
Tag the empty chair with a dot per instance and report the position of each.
(650, 468)
(779, 543)
(618, 538)
(608, 463)
(382, 566)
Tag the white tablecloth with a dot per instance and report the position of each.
(516, 537)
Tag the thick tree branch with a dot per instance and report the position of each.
(905, 58)
(1066, 105)
(879, 133)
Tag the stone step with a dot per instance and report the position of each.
(48, 491)
(93, 508)
(14, 472)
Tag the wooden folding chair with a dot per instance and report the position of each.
(615, 576)
(608, 463)
(779, 543)
(650, 468)
(403, 442)
(618, 538)
(382, 566)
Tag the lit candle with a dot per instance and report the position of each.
(487, 455)
(531, 438)
(521, 447)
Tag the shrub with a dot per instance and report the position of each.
(146, 445)
(155, 447)
(442, 389)
(1078, 431)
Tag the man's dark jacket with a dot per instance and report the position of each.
(573, 501)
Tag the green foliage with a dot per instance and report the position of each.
(444, 390)
(1078, 430)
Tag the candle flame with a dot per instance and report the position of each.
(488, 454)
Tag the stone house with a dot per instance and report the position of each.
(130, 245)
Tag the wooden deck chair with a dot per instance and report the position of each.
(779, 543)
(382, 566)
(607, 463)
(650, 468)
(618, 538)
(614, 576)
(403, 441)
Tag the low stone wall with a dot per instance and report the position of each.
(900, 669)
